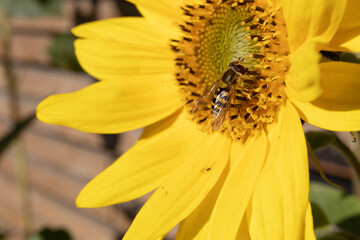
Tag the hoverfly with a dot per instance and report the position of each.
(221, 93)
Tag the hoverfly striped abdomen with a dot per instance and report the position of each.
(221, 92)
(220, 99)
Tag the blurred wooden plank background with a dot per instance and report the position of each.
(60, 160)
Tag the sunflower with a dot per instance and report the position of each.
(235, 166)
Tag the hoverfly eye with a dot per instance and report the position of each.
(240, 69)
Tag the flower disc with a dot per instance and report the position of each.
(216, 34)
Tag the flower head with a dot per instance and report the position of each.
(252, 34)
(220, 87)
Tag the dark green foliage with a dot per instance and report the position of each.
(32, 8)
(320, 139)
(336, 215)
(62, 52)
(320, 219)
(51, 234)
(15, 132)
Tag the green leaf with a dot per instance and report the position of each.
(336, 233)
(336, 205)
(341, 211)
(32, 8)
(320, 139)
(15, 132)
(62, 52)
(2, 235)
(51, 234)
(351, 225)
(339, 236)
(319, 217)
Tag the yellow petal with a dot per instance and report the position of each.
(280, 198)
(341, 86)
(183, 190)
(196, 225)
(145, 166)
(330, 120)
(164, 15)
(317, 19)
(345, 42)
(309, 227)
(110, 60)
(170, 9)
(303, 79)
(243, 232)
(124, 30)
(338, 107)
(273, 3)
(113, 106)
(347, 37)
(184, 2)
(234, 197)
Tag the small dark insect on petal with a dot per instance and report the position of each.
(334, 56)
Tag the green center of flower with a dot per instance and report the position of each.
(224, 40)
(231, 63)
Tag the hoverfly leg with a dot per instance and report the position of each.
(240, 59)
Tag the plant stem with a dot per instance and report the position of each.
(351, 157)
(8, 65)
(20, 159)
(317, 164)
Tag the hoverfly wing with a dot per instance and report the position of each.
(219, 117)
(205, 98)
